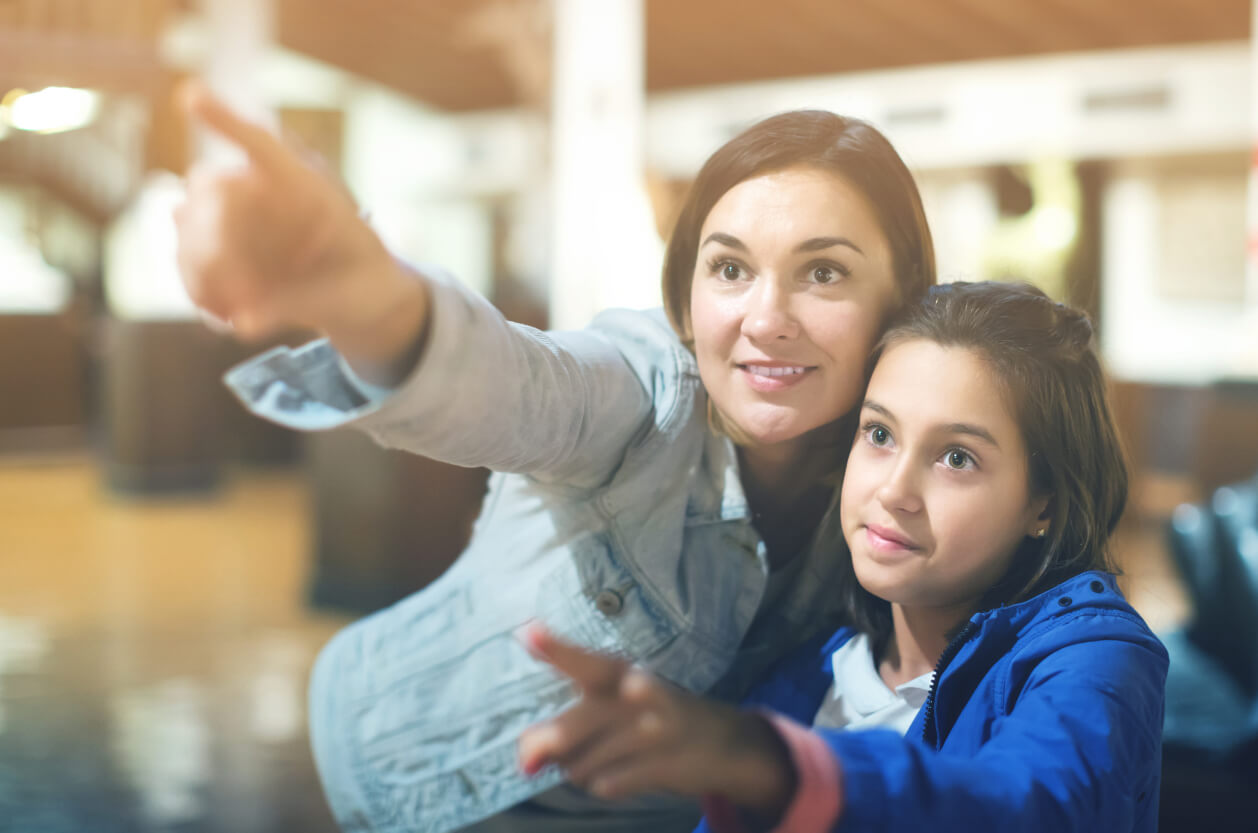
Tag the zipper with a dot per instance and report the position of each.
(954, 647)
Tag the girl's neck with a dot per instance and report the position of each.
(919, 636)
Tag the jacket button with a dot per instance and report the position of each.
(609, 602)
(1065, 601)
(1096, 586)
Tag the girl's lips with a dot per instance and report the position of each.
(768, 378)
(888, 540)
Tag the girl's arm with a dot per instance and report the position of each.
(1079, 750)
(632, 732)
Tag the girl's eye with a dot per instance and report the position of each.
(877, 435)
(958, 460)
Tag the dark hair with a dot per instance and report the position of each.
(846, 147)
(1042, 356)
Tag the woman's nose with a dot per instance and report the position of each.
(769, 315)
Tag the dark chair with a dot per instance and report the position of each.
(1210, 748)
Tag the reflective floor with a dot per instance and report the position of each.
(154, 654)
(153, 657)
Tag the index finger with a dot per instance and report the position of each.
(259, 143)
(589, 670)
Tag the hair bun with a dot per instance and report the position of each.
(1075, 326)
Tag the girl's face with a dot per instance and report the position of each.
(792, 283)
(936, 497)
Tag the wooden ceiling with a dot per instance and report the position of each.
(462, 55)
(425, 49)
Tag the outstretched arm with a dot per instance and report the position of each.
(277, 243)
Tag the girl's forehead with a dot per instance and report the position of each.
(923, 383)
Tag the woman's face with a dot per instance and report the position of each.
(792, 284)
(936, 497)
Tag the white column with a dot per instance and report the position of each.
(1251, 261)
(239, 35)
(1247, 362)
(605, 251)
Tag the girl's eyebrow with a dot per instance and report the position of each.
(976, 431)
(874, 406)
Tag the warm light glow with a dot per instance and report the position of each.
(52, 109)
(1054, 227)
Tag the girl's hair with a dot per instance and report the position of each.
(1041, 355)
(846, 147)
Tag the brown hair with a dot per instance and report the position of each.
(846, 147)
(1041, 354)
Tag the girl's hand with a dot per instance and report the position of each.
(633, 733)
(278, 242)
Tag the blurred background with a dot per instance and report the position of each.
(169, 565)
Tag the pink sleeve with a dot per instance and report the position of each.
(818, 794)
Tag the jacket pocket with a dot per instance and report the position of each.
(593, 600)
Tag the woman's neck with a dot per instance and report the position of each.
(918, 638)
(786, 495)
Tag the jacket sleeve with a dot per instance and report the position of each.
(561, 406)
(1079, 749)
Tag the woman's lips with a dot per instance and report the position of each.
(883, 539)
(768, 378)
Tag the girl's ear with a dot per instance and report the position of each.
(1041, 513)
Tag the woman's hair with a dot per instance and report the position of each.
(1041, 356)
(846, 147)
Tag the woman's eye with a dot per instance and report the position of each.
(879, 435)
(958, 459)
(826, 273)
(730, 271)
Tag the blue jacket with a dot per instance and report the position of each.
(1044, 716)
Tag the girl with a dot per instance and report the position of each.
(998, 677)
(664, 485)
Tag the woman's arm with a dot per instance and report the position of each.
(422, 364)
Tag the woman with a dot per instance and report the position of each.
(662, 492)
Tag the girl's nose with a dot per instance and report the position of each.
(900, 491)
(769, 315)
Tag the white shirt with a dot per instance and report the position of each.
(859, 699)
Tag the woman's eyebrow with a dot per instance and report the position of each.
(817, 243)
(725, 240)
(812, 244)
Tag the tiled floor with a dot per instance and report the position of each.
(153, 657)
(154, 653)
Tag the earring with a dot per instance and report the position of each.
(1040, 533)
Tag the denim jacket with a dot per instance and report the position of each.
(1043, 716)
(615, 516)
